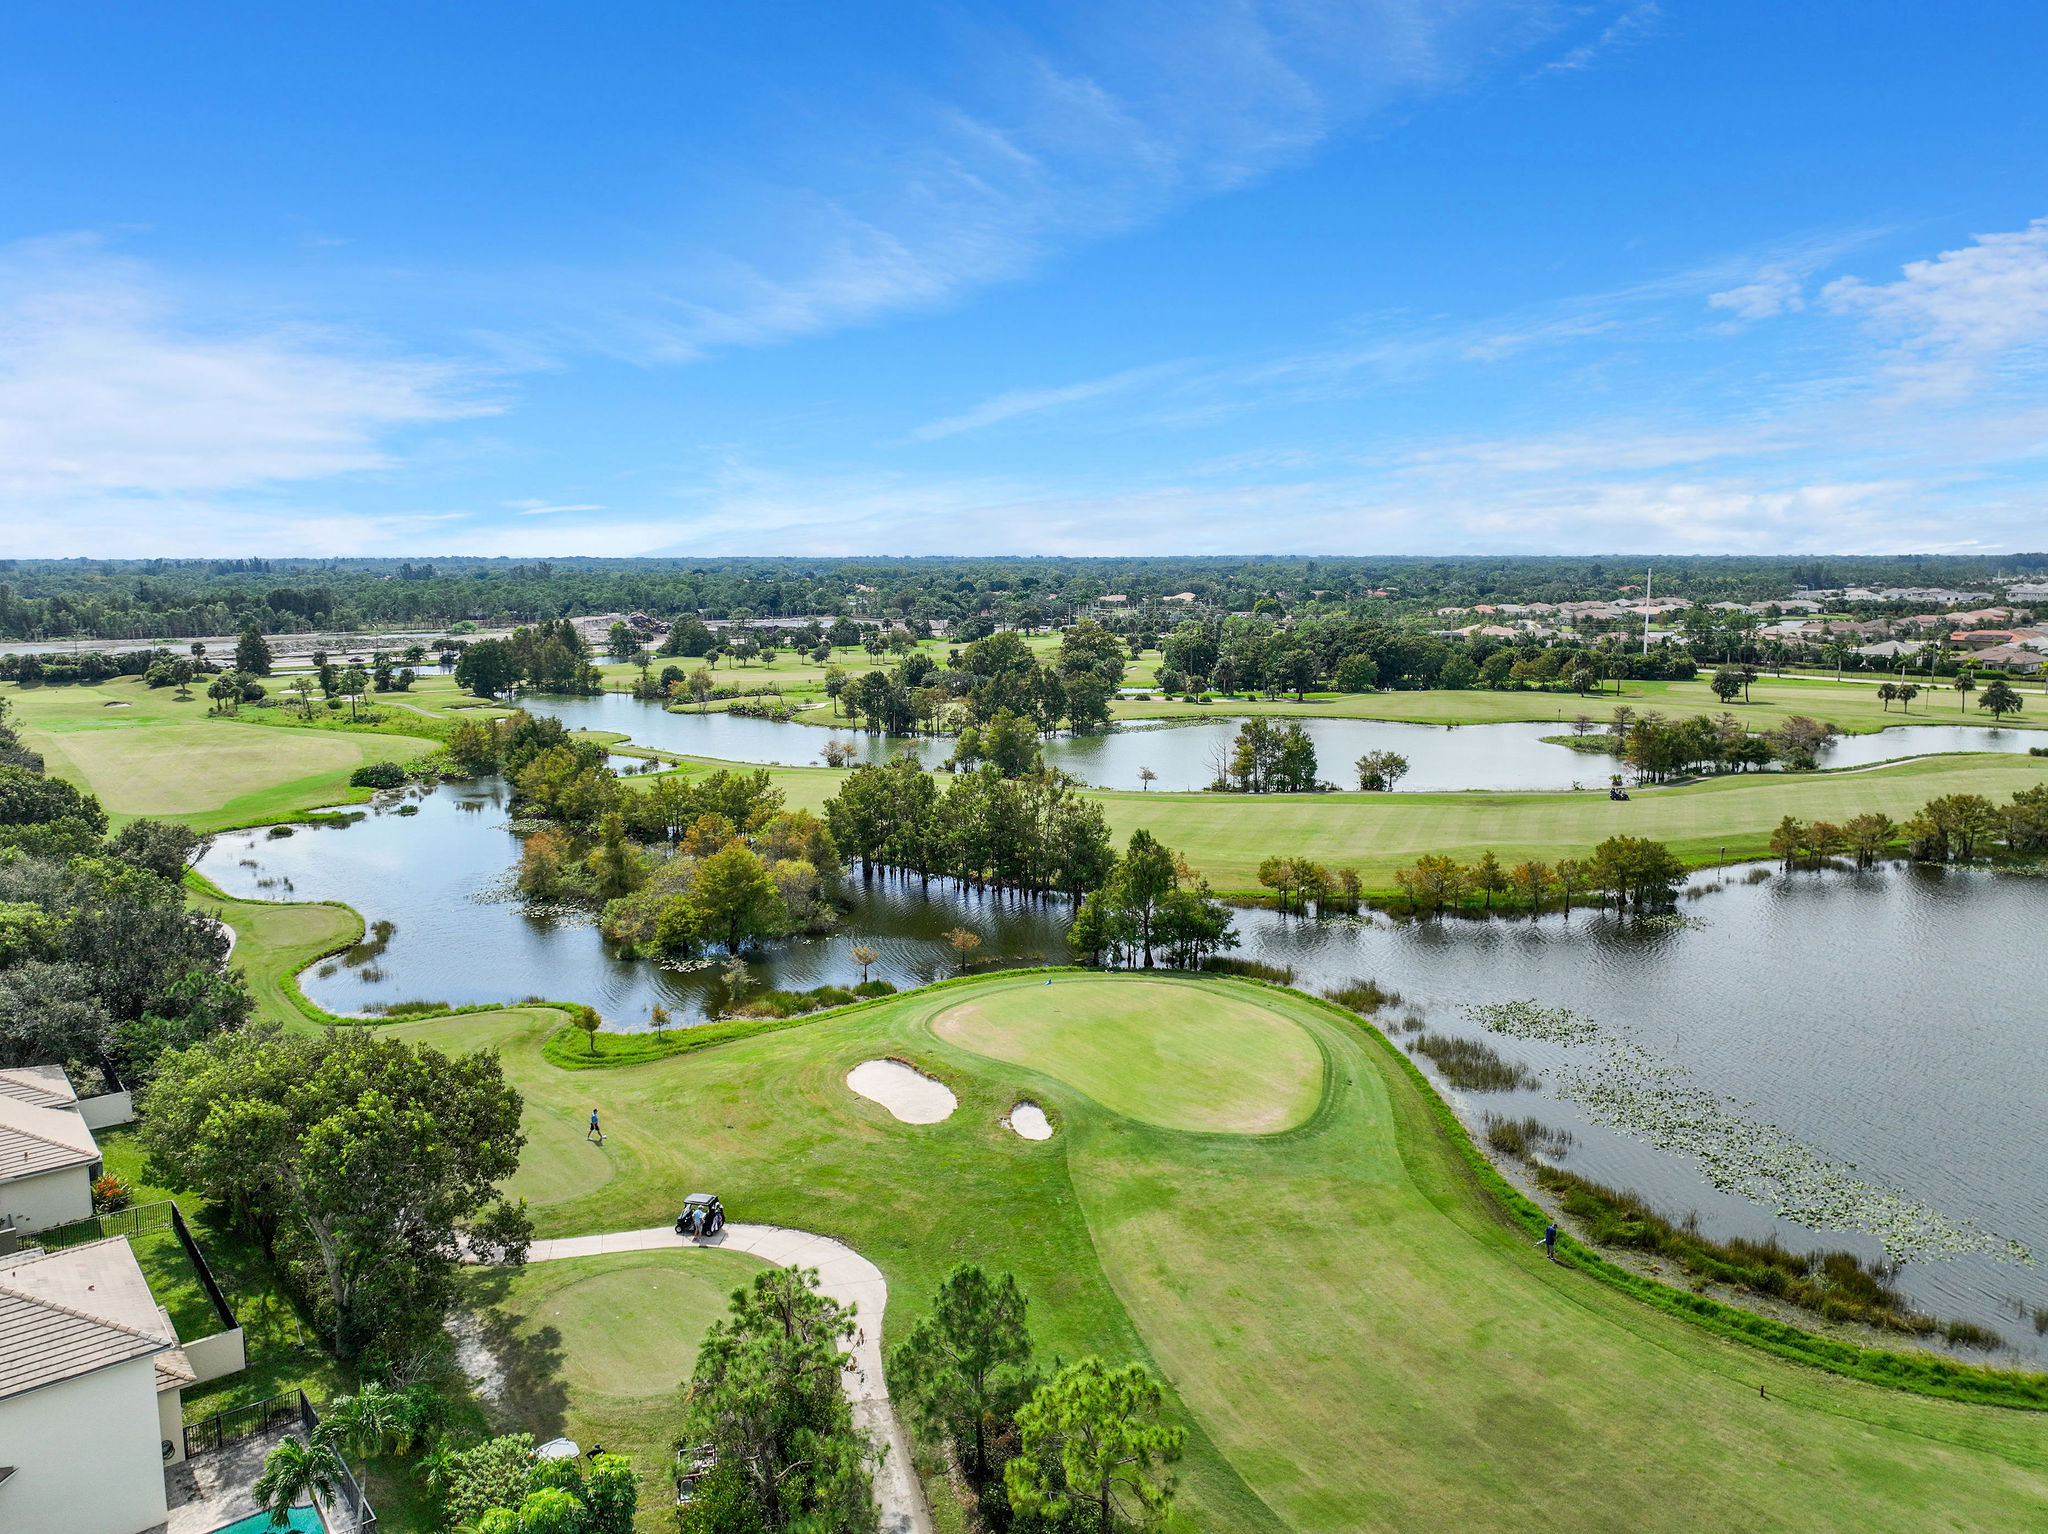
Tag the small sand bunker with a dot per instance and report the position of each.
(911, 1095)
(1029, 1120)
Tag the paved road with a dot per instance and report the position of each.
(847, 1277)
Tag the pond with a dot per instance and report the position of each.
(1440, 757)
(1882, 1031)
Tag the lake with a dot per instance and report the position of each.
(1440, 757)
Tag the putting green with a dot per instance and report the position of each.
(598, 1348)
(625, 1324)
(1178, 1054)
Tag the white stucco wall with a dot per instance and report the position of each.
(88, 1455)
(47, 1198)
(107, 1108)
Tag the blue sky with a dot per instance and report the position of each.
(1090, 278)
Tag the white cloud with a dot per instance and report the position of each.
(542, 509)
(106, 388)
(1775, 291)
(1952, 318)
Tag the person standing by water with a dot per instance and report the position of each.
(595, 1133)
(1549, 1231)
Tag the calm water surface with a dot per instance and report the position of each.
(1440, 757)
(1893, 1021)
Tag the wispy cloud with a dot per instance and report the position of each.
(107, 386)
(1097, 122)
(1633, 26)
(1774, 291)
(542, 509)
(1029, 402)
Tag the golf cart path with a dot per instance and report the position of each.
(845, 1276)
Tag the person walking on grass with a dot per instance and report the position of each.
(1549, 1242)
(595, 1133)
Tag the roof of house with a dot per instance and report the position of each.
(36, 1139)
(2010, 655)
(45, 1086)
(78, 1310)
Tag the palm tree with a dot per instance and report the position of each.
(1908, 691)
(1838, 652)
(1965, 685)
(863, 955)
(1886, 691)
(297, 1471)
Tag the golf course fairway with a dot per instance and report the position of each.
(1352, 1333)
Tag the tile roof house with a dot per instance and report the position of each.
(90, 1374)
(48, 1159)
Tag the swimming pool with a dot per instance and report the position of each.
(300, 1520)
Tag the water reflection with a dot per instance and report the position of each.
(1440, 757)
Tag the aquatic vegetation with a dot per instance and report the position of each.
(1532, 1020)
(1834, 1285)
(1364, 996)
(1472, 1066)
(1524, 1137)
(1254, 969)
(1631, 1091)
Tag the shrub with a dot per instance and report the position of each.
(110, 1195)
(377, 775)
(874, 988)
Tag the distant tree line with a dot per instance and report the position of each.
(136, 599)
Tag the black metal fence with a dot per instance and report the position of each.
(129, 1222)
(134, 1222)
(197, 1258)
(240, 1421)
(353, 1502)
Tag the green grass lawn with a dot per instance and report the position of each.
(1354, 1334)
(598, 1349)
(144, 753)
(274, 940)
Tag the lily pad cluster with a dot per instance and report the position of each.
(1531, 1020)
(1632, 1091)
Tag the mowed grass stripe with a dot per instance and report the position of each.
(1358, 1336)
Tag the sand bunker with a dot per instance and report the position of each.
(1029, 1120)
(911, 1095)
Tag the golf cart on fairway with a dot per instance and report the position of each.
(702, 1215)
